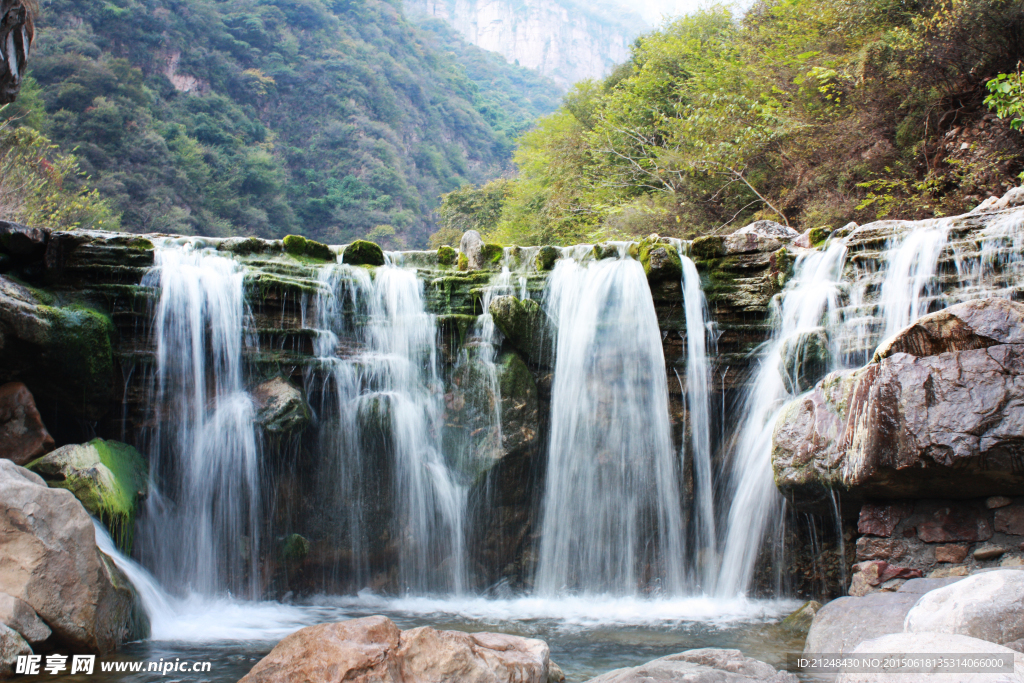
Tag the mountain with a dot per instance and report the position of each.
(565, 40)
(331, 118)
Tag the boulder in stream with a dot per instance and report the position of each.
(706, 665)
(373, 649)
(842, 624)
(49, 560)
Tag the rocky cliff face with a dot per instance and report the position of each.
(561, 40)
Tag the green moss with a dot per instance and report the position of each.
(463, 261)
(603, 251)
(819, 235)
(294, 244)
(708, 247)
(141, 243)
(80, 357)
(318, 250)
(491, 254)
(546, 258)
(295, 548)
(261, 284)
(660, 260)
(446, 256)
(363, 253)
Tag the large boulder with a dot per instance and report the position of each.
(108, 477)
(989, 606)
(759, 236)
(939, 413)
(23, 435)
(280, 407)
(49, 560)
(842, 624)
(525, 326)
(706, 665)
(933, 644)
(373, 649)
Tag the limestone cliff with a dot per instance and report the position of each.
(562, 40)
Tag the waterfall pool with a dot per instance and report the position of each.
(588, 636)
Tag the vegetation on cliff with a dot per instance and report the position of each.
(807, 112)
(330, 118)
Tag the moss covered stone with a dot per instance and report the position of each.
(463, 261)
(446, 256)
(819, 235)
(546, 258)
(108, 477)
(363, 253)
(708, 247)
(295, 548)
(79, 358)
(294, 244)
(603, 251)
(319, 251)
(524, 324)
(660, 260)
(490, 254)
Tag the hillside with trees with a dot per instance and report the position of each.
(336, 119)
(807, 112)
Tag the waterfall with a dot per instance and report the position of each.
(202, 517)
(809, 301)
(909, 278)
(384, 398)
(611, 519)
(698, 408)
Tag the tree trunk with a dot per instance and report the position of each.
(16, 34)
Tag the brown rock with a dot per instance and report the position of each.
(877, 519)
(49, 559)
(23, 437)
(1010, 520)
(988, 552)
(869, 575)
(997, 502)
(951, 553)
(959, 523)
(869, 548)
(373, 650)
(973, 325)
(947, 572)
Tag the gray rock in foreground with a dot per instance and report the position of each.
(706, 665)
(843, 624)
(988, 606)
(933, 643)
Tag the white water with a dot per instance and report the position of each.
(201, 527)
(612, 520)
(387, 396)
(809, 302)
(909, 277)
(698, 403)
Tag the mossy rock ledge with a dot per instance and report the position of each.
(525, 326)
(108, 477)
(300, 246)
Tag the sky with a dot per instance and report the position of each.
(653, 10)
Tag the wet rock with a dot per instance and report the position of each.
(988, 552)
(555, 673)
(841, 625)
(22, 241)
(1010, 520)
(985, 606)
(804, 360)
(880, 519)
(363, 253)
(83, 257)
(108, 477)
(951, 553)
(977, 324)
(759, 236)
(520, 410)
(997, 502)
(446, 256)
(373, 649)
(908, 426)
(23, 436)
(546, 258)
(659, 258)
(869, 548)
(295, 548)
(525, 326)
(955, 523)
(931, 643)
(12, 645)
(49, 559)
(18, 615)
(280, 407)
(871, 574)
(706, 665)
(800, 620)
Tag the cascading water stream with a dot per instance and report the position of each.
(202, 515)
(612, 520)
(698, 407)
(808, 302)
(386, 404)
(909, 276)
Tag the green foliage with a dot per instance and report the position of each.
(1006, 97)
(363, 253)
(807, 112)
(270, 117)
(41, 186)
